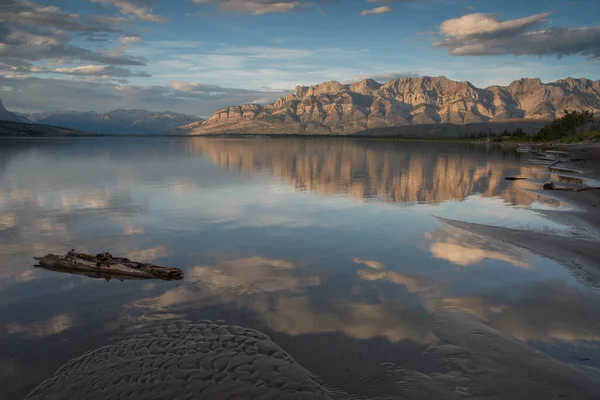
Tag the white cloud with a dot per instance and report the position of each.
(25, 12)
(485, 35)
(101, 71)
(193, 87)
(35, 33)
(377, 10)
(22, 55)
(465, 249)
(42, 329)
(257, 7)
(369, 263)
(476, 25)
(139, 9)
(130, 39)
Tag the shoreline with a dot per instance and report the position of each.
(542, 146)
(577, 252)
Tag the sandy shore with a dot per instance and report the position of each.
(208, 361)
(578, 252)
(514, 370)
(588, 152)
(586, 158)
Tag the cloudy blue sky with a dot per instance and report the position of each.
(196, 56)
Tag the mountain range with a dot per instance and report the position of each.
(407, 107)
(116, 121)
(60, 123)
(7, 116)
(336, 108)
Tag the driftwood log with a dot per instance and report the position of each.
(106, 264)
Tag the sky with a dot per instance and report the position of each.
(197, 56)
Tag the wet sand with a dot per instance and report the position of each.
(488, 364)
(585, 159)
(578, 251)
(209, 361)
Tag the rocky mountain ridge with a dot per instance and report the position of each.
(336, 108)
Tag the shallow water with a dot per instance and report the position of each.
(332, 247)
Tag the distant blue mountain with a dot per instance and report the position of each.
(115, 122)
(8, 116)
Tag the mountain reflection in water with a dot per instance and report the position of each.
(385, 170)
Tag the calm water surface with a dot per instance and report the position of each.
(332, 247)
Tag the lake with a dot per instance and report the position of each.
(336, 248)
